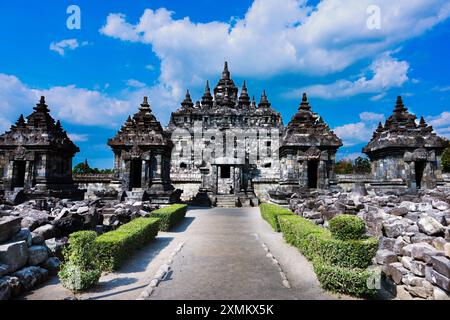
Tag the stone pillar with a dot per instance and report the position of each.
(158, 158)
(322, 181)
(144, 176)
(237, 179)
(28, 175)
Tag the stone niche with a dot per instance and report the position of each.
(36, 158)
(405, 155)
(142, 159)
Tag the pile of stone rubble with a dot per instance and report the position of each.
(414, 234)
(33, 234)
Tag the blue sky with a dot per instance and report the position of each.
(94, 77)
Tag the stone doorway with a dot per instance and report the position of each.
(225, 183)
(19, 174)
(313, 167)
(419, 167)
(136, 174)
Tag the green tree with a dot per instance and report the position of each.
(84, 168)
(362, 165)
(344, 166)
(445, 161)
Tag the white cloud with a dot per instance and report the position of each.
(359, 132)
(386, 72)
(371, 116)
(135, 83)
(67, 44)
(81, 106)
(276, 37)
(71, 104)
(441, 123)
(78, 137)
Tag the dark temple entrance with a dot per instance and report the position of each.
(19, 174)
(312, 174)
(419, 169)
(136, 174)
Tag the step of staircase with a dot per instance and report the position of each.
(226, 201)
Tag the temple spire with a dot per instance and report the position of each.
(244, 99)
(145, 106)
(264, 103)
(207, 99)
(304, 105)
(399, 106)
(20, 122)
(41, 106)
(253, 102)
(226, 73)
(187, 103)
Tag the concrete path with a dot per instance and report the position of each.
(227, 254)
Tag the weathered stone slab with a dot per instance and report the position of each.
(440, 280)
(52, 265)
(385, 257)
(9, 226)
(418, 268)
(14, 254)
(430, 226)
(31, 276)
(47, 231)
(37, 255)
(441, 265)
(23, 235)
(396, 271)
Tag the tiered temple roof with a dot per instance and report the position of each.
(401, 131)
(39, 131)
(226, 102)
(307, 128)
(142, 129)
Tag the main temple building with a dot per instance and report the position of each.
(226, 149)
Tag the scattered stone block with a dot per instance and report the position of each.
(406, 262)
(440, 280)
(31, 276)
(441, 265)
(396, 271)
(418, 268)
(9, 226)
(385, 257)
(439, 243)
(14, 254)
(37, 255)
(52, 265)
(47, 231)
(430, 226)
(23, 235)
(439, 294)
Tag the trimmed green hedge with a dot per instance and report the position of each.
(347, 227)
(348, 254)
(169, 216)
(116, 246)
(80, 270)
(351, 281)
(270, 213)
(340, 265)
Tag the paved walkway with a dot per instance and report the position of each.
(224, 257)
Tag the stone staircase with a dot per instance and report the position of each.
(226, 201)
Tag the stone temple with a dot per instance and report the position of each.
(225, 150)
(405, 155)
(142, 159)
(36, 158)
